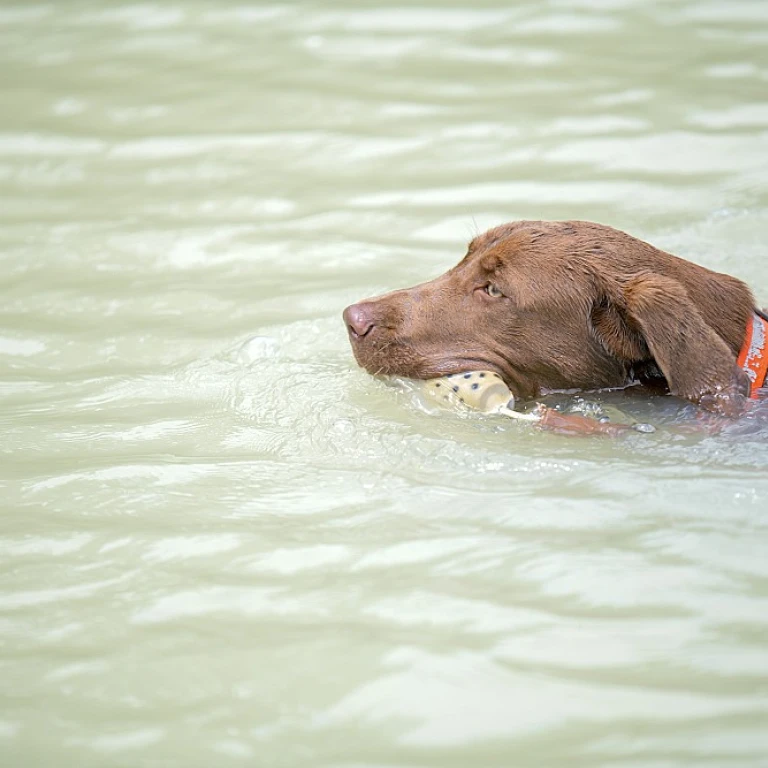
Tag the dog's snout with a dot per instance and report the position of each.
(359, 319)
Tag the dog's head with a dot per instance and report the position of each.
(561, 305)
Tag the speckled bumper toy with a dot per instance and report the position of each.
(482, 391)
(486, 392)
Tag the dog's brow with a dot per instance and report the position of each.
(491, 263)
(492, 237)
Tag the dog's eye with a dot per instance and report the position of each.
(493, 291)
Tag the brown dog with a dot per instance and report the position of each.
(571, 305)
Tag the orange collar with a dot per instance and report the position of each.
(753, 357)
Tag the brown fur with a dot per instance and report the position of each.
(584, 306)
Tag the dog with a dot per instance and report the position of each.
(572, 305)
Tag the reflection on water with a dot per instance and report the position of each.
(223, 543)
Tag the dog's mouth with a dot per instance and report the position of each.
(396, 358)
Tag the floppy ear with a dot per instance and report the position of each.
(652, 316)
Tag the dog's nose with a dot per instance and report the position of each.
(358, 319)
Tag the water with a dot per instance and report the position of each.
(222, 543)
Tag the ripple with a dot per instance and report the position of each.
(126, 740)
(14, 145)
(745, 115)
(409, 19)
(21, 347)
(183, 547)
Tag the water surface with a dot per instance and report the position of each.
(222, 543)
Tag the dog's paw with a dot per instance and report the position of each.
(730, 402)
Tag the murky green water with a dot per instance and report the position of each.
(224, 545)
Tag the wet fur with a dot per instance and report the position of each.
(584, 306)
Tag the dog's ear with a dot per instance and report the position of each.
(652, 316)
